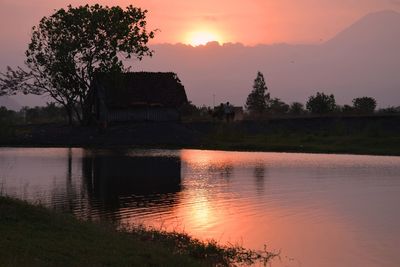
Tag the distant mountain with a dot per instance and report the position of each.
(373, 29)
(9, 103)
(362, 60)
(365, 58)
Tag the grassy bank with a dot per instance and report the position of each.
(35, 236)
(352, 135)
(307, 143)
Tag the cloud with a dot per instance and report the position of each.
(211, 18)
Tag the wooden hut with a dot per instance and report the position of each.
(137, 96)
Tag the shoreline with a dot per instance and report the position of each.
(59, 239)
(216, 148)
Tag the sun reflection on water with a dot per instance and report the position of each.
(200, 211)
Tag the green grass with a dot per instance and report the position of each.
(35, 236)
(225, 138)
(7, 130)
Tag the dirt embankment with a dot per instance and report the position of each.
(136, 134)
(205, 134)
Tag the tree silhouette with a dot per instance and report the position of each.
(296, 108)
(321, 103)
(365, 105)
(70, 46)
(277, 106)
(258, 99)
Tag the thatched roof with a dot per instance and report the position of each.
(131, 89)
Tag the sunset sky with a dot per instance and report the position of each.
(248, 22)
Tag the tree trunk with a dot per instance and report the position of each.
(69, 114)
(76, 112)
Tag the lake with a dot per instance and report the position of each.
(316, 209)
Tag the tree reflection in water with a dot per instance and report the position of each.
(259, 175)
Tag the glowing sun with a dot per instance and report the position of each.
(202, 38)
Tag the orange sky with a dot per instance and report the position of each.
(249, 22)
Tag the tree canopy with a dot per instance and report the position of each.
(296, 108)
(258, 99)
(321, 103)
(277, 106)
(70, 46)
(364, 105)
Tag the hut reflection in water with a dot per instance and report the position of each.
(116, 180)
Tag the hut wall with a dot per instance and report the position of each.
(143, 114)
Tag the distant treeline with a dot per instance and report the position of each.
(35, 115)
(317, 105)
(259, 104)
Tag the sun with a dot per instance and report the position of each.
(202, 37)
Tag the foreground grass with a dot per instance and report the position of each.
(34, 236)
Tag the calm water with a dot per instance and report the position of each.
(318, 210)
